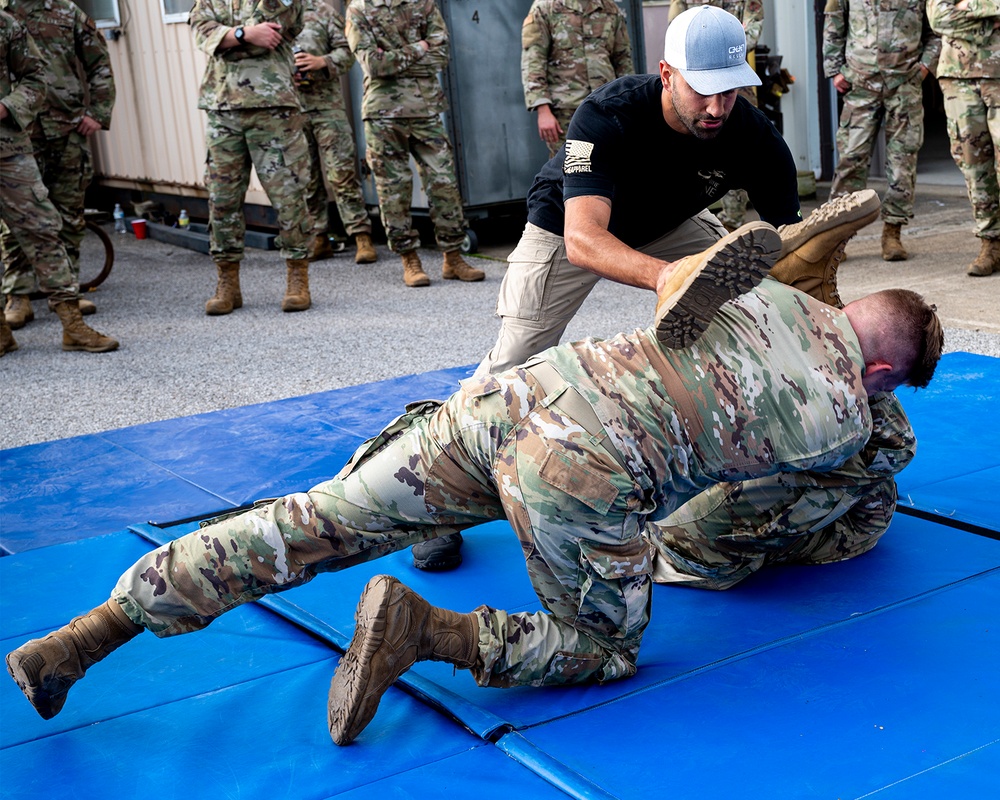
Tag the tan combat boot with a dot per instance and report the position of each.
(365, 249)
(456, 267)
(45, 669)
(77, 334)
(7, 343)
(892, 247)
(297, 297)
(394, 629)
(18, 311)
(413, 270)
(227, 292)
(812, 250)
(988, 260)
(700, 284)
(321, 248)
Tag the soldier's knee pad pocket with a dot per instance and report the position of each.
(626, 567)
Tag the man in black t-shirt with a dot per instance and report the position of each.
(627, 195)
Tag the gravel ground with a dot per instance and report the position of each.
(365, 325)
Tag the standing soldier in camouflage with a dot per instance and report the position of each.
(577, 449)
(878, 55)
(401, 46)
(568, 49)
(322, 56)
(733, 212)
(969, 74)
(255, 119)
(32, 221)
(81, 95)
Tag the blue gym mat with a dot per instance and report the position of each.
(871, 677)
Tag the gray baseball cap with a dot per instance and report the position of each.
(709, 47)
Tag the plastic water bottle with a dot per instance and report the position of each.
(119, 216)
(183, 220)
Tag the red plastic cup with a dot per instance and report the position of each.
(139, 228)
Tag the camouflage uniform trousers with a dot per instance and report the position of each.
(273, 141)
(32, 225)
(863, 111)
(733, 207)
(497, 447)
(389, 143)
(67, 168)
(332, 155)
(973, 110)
(542, 291)
(563, 116)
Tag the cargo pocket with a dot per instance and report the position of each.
(615, 588)
(522, 292)
(591, 488)
(569, 668)
(395, 429)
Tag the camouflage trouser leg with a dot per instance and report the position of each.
(316, 193)
(904, 134)
(272, 140)
(390, 143)
(338, 155)
(30, 228)
(434, 471)
(973, 110)
(66, 167)
(734, 209)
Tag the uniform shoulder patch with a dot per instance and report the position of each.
(577, 156)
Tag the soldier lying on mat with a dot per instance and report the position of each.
(577, 449)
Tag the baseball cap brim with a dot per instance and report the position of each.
(717, 81)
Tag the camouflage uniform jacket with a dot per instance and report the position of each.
(729, 532)
(400, 81)
(323, 35)
(779, 391)
(571, 47)
(247, 76)
(749, 12)
(970, 39)
(76, 63)
(22, 85)
(878, 44)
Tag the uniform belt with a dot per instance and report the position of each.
(573, 403)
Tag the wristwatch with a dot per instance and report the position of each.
(239, 33)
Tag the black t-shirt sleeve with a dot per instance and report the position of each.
(593, 146)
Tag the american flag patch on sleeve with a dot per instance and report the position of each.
(577, 156)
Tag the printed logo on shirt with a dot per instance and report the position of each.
(577, 156)
(713, 182)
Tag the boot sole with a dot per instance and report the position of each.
(730, 268)
(78, 348)
(460, 278)
(857, 209)
(351, 705)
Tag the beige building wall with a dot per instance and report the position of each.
(157, 137)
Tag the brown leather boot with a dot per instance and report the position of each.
(77, 334)
(297, 297)
(456, 267)
(7, 343)
(812, 250)
(394, 629)
(413, 270)
(45, 669)
(227, 295)
(892, 247)
(986, 263)
(321, 248)
(366, 250)
(700, 284)
(18, 311)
